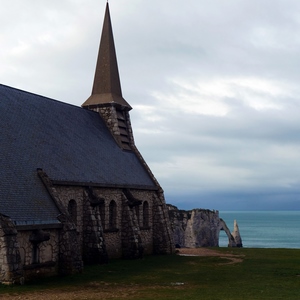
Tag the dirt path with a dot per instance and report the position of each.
(233, 259)
(96, 292)
(87, 291)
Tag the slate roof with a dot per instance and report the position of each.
(69, 143)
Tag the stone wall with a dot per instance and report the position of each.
(70, 256)
(132, 246)
(66, 195)
(109, 114)
(200, 228)
(95, 224)
(93, 245)
(116, 223)
(47, 247)
(155, 237)
(39, 251)
(163, 241)
(11, 269)
(31, 251)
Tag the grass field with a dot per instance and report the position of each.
(262, 274)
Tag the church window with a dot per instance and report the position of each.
(112, 214)
(137, 212)
(23, 255)
(35, 253)
(47, 253)
(145, 214)
(102, 214)
(72, 209)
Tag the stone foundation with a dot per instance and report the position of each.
(11, 269)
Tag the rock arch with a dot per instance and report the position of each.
(223, 226)
(200, 228)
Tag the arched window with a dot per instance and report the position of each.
(112, 214)
(72, 209)
(137, 212)
(35, 259)
(102, 214)
(23, 255)
(48, 253)
(145, 214)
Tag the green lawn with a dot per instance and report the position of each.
(263, 274)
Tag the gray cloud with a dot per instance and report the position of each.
(214, 87)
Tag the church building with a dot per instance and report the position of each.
(74, 189)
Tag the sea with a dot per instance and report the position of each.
(264, 229)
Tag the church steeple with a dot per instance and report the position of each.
(106, 97)
(107, 87)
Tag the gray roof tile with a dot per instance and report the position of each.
(69, 143)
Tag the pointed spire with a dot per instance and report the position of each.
(236, 235)
(107, 86)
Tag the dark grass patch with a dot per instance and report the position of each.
(263, 274)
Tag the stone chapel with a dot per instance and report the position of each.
(74, 189)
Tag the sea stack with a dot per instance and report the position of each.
(236, 235)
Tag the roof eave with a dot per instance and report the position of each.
(105, 99)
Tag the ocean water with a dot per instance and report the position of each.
(264, 229)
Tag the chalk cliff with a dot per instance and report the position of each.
(200, 228)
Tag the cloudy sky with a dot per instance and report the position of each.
(214, 87)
